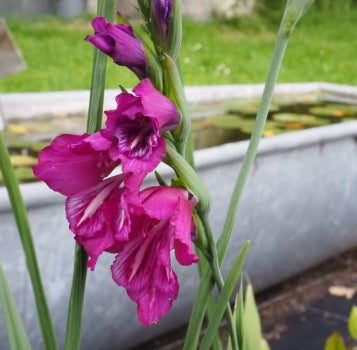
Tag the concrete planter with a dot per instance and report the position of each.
(298, 209)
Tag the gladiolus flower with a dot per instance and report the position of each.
(134, 128)
(118, 42)
(162, 221)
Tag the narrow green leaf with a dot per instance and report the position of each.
(217, 344)
(335, 342)
(17, 335)
(23, 225)
(352, 323)
(240, 318)
(224, 298)
(198, 311)
(252, 326)
(235, 310)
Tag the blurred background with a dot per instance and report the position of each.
(224, 42)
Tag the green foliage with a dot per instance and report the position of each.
(253, 331)
(352, 323)
(335, 342)
(217, 52)
(247, 321)
(16, 332)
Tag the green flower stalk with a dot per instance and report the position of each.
(94, 121)
(294, 10)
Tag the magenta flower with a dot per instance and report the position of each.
(134, 128)
(118, 41)
(98, 216)
(163, 10)
(143, 264)
(70, 163)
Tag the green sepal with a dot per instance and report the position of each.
(154, 68)
(190, 178)
(160, 179)
(177, 94)
(175, 36)
(201, 240)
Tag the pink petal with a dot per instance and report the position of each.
(98, 215)
(157, 105)
(147, 164)
(179, 210)
(69, 164)
(143, 267)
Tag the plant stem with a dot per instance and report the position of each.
(278, 54)
(95, 112)
(22, 222)
(217, 275)
(74, 318)
(293, 11)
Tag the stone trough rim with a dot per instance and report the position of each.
(38, 194)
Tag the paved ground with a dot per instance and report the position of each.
(301, 312)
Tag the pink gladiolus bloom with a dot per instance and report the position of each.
(118, 41)
(162, 221)
(70, 163)
(135, 127)
(98, 216)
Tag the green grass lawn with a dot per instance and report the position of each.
(322, 48)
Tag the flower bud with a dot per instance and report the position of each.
(118, 41)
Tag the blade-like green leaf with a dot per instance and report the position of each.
(252, 326)
(224, 298)
(240, 319)
(198, 311)
(217, 344)
(229, 345)
(264, 345)
(23, 225)
(352, 323)
(335, 342)
(15, 330)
